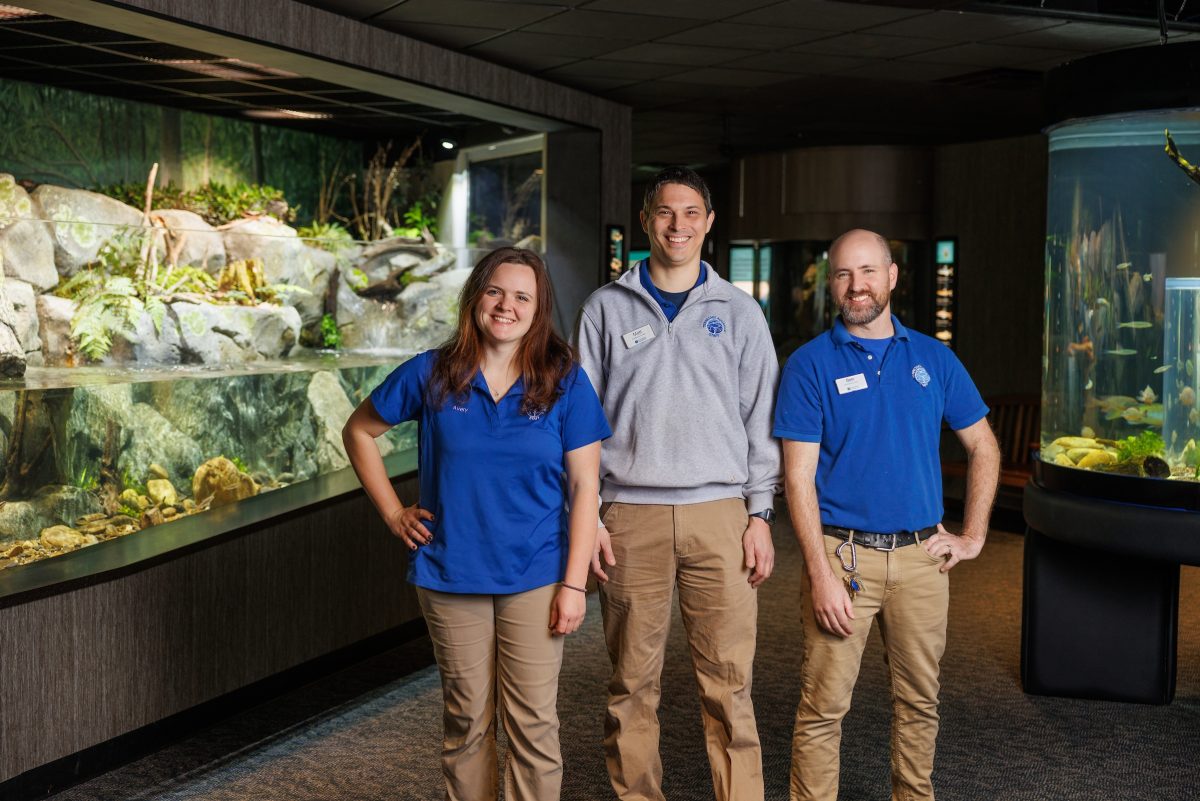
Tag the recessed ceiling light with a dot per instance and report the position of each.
(448, 144)
(284, 114)
(13, 12)
(230, 69)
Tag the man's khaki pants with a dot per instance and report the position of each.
(486, 644)
(909, 596)
(697, 547)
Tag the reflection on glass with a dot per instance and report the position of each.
(506, 202)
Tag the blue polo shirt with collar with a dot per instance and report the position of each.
(877, 411)
(492, 477)
(669, 302)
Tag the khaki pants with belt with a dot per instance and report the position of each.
(697, 548)
(489, 644)
(909, 596)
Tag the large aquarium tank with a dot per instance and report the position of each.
(181, 341)
(1121, 375)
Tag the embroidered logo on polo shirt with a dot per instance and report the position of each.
(458, 408)
(921, 375)
(715, 326)
(534, 416)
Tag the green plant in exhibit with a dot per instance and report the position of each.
(419, 217)
(86, 480)
(217, 203)
(328, 236)
(1147, 443)
(331, 335)
(106, 305)
(357, 279)
(239, 464)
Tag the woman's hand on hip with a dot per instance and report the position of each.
(406, 524)
(567, 611)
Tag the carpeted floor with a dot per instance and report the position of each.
(362, 734)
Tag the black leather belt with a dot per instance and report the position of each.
(881, 542)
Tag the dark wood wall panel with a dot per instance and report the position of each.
(992, 196)
(821, 192)
(87, 665)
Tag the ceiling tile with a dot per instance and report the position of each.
(964, 26)
(688, 9)
(524, 60)
(580, 22)
(806, 63)
(452, 36)
(355, 9)
(722, 76)
(1083, 36)
(657, 53)
(589, 84)
(594, 68)
(823, 15)
(867, 45)
(904, 71)
(475, 13)
(656, 94)
(989, 55)
(576, 47)
(747, 37)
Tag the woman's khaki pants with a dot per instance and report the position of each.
(496, 655)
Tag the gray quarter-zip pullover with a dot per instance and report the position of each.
(690, 402)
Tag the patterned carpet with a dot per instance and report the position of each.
(363, 734)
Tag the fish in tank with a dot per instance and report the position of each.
(1122, 265)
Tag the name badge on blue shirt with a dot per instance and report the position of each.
(851, 383)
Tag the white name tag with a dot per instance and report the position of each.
(638, 336)
(851, 383)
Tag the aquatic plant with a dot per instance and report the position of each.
(331, 335)
(86, 480)
(1147, 443)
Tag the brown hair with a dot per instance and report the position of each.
(676, 175)
(543, 356)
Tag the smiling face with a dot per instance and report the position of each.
(861, 277)
(676, 222)
(508, 304)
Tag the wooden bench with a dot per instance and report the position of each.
(1016, 421)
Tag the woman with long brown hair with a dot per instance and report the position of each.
(499, 565)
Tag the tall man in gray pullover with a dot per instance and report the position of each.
(684, 365)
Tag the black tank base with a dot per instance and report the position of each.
(1097, 624)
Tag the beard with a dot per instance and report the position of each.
(864, 315)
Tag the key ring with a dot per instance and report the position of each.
(853, 566)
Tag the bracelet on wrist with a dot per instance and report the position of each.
(573, 587)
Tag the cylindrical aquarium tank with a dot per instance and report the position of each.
(1114, 506)
(1120, 377)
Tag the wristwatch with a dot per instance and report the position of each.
(767, 515)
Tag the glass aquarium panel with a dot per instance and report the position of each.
(91, 455)
(506, 201)
(794, 286)
(1122, 285)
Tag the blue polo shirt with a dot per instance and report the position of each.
(878, 417)
(492, 477)
(669, 302)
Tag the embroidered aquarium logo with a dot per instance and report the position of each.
(921, 375)
(715, 326)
